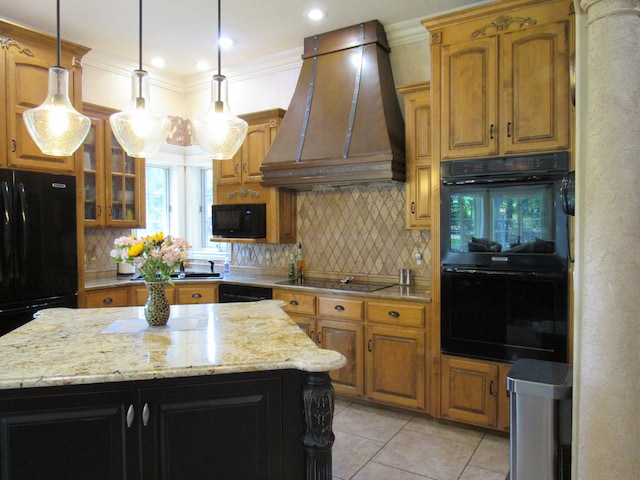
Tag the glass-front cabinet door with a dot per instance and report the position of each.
(114, 183)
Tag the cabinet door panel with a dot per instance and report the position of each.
(470, 98)
(258, 142)
(395, 366)
(229, 430)
(346, 338)
(79, 436)
(469, 391)
(535, 113)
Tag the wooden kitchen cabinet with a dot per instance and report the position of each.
(238, 180)
(474, 392)
(504, 78)
(417, 112)
(107, 297)
(24, 79)
(395, 366)
(395, 356)
(113, 182)
(347, 338)
(196, 293)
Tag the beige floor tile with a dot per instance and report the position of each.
(340, 405)
(368, 422)
(350, 453)
(473, 473)
(433, 457)
(492, 454)
(451, 432)
(377, 471)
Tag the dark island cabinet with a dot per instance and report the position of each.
(240, 426)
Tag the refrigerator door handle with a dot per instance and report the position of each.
(24, 229)
(7, 243)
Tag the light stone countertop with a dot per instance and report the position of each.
(97, 345)
(415, 293)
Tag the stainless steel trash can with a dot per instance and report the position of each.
(540, 420)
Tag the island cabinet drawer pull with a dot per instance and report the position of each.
(108, 300)
(339, 308)
(394, 314)
(130, 415)
(196, 295)
(145, 414)
(319, 338)
(369, 345)
(294, 303)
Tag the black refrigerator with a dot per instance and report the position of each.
(38, 245)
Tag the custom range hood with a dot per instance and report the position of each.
(344, 124)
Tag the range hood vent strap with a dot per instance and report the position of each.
(307, 110)
(354, 102)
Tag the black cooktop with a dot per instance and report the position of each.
(350, 286)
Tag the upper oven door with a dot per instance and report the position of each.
(508, 219)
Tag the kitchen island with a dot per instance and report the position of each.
(223, 391)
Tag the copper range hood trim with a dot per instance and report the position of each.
(344, 124)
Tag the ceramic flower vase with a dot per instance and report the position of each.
(156, 310)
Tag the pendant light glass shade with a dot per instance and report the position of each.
(56, 127)
(139, 129)
(219, 132)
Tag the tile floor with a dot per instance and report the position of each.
(377, 444)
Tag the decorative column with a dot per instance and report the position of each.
(318, 414)
(607, 324)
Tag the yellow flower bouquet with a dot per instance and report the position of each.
(155, 257)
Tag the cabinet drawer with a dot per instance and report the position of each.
(195, 294)
(301, 303)
(112, 297)
(340, 308)
(391, 313)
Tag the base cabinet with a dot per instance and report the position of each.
(383, 341)
(228, 428)
(474, 392)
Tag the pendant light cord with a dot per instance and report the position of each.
(140, 38)
(219, 34)
(59, 65)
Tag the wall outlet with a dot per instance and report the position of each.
(418, 258)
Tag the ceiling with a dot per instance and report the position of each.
(184, 32)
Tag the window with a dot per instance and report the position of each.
(158, 200)
(179, 200)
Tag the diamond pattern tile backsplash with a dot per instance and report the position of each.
(357, 231)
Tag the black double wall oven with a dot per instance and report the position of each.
(504, 257)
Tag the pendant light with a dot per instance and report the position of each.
(139, 129)
(219, 132)
(56, 127)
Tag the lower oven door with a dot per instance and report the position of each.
(504, 315)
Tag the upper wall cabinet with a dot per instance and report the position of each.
(25, 58)
(503, 76)
(238, 180)
(113, 182)
(417, 114)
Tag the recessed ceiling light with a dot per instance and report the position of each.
(202, 66)
(157, 62)
(316, 14)
(225, 42)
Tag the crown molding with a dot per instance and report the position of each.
(401, 33)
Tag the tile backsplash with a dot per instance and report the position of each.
(357, 231)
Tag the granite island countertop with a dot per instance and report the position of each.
(97, 345)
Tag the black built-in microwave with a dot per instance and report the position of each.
(247, 220)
